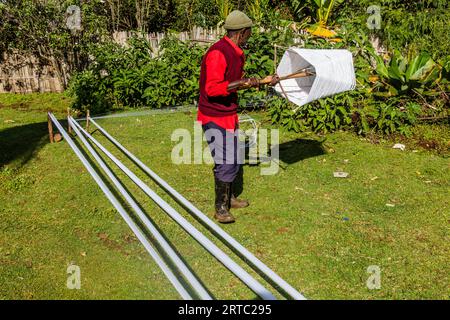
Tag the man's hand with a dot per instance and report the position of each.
(253, 82)
(275, 80)
(243, 84)
(270, 80)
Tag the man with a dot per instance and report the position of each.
(220, 77)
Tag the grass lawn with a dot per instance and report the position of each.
(318, 232)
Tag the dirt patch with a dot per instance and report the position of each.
(428, 144)
(130, 238)
(111, 244)
(21, 106)
(282, 230)
(373, 233)
(418, 141)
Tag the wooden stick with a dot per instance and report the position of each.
(275, 59)
(294, 75)
(50, 128)
(267, 80)
(301, 74)
(88, 115)
(434, 118)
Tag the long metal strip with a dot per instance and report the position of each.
(190, 277)
(183, 108)
(274, 278)
(245, 277)
(169, 274)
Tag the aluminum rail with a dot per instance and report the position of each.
(190, 107)
(169, 274)
(189, 276)
(275, 279)
(245, 277)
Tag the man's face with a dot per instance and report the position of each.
(245, 36)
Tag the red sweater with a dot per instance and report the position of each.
(222, 64)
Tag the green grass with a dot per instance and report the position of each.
(318, 232)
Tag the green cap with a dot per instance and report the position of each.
(237, 20)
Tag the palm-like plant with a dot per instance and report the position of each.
(224, 7)
(402, 75)
(322, 8)
(257, 8)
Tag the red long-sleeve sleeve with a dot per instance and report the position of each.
(215, 74)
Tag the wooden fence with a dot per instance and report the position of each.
(197, 34)
(19, 74)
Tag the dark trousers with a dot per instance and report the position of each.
(225, 150)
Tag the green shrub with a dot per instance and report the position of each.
(130, 77)
(175, 74)
(387, 117)
(324, 115)
(350, 111)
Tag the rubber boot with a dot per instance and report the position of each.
(222, 203)
(237, 203)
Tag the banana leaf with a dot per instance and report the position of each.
(381, 68)
(394, 70)
(420, 68)
(402, 75)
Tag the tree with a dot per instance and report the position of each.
(39, 28)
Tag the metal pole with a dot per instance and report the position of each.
(274, 278)
(193, 281)
(169, 274)
(245, 277)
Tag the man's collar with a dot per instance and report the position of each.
(238, 50)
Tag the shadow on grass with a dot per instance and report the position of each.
(289, 153)
(20, 143)
(300, 149)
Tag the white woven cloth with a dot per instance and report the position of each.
(334, 73)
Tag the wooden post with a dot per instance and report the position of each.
(87, 120)
(275, 59)
(50, 128)
(69, 128)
